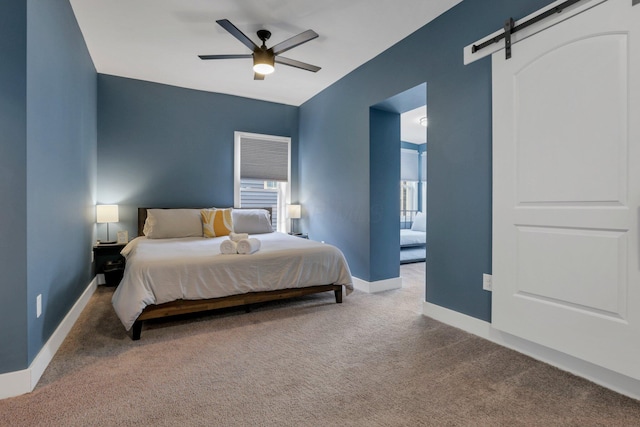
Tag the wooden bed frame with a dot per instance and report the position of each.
(178, 307)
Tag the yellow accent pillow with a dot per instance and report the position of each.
(216, 222)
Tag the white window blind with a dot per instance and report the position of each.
(264, 159)
(409, 165)
(423, 166)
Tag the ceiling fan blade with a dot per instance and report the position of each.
(297, 64)
(257, 76)
(294, 41)
(247, 55)
(235, 32)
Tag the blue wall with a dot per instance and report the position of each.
(385, 235)
(61, 165)
(47, 170)
(162, 145)
(13, 185)
(335, 171)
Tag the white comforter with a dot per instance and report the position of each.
(163, 270)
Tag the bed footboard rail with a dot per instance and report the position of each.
(179, 307)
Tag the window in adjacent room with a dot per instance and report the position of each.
(423, 181)
(262, 173)
(409, 196)
(409, 178)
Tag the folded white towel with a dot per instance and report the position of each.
(228, 247)
(248, 246)
(236, 237)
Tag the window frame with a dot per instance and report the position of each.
(238, 137)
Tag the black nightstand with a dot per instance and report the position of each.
(109, 262)
(301, 235)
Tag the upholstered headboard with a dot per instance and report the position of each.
(142, 216)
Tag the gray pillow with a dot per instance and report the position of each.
(170, 223)
(252, 221)
(419, 222)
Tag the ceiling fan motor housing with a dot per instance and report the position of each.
(264, 35)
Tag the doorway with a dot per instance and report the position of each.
(397, 206)
(413, 226)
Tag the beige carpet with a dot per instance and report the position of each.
(371, 361)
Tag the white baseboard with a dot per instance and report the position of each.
(24, 381)
(597, 374)
(377, 286)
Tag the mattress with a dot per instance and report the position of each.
(412, 238)
(191, 268)
(413, 254)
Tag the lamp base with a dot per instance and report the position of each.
(106, 242)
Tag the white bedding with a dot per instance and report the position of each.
(412, 238)
(164, 270)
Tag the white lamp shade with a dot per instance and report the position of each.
(107, 213)
(294, 211)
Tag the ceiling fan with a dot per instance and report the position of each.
(263, 57)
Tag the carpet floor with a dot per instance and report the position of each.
(372, 361)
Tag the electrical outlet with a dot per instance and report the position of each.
(38, 305)
(487, 282)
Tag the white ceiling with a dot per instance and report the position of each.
(410, 128)
(159, 40)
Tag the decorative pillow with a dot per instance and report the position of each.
(252, 221)
(169, 223)
(216, 222)
(419, 222)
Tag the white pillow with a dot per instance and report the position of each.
(419, 222)
(252, 221)
(169, 223)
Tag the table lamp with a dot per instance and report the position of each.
(293, 212)
(107, 214)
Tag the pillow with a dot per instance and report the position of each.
(216, 222)
(252, 221)
(169, 223)
(419, 222)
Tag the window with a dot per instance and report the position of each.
(408, 202)
(408, 196)
(409, 188)
(423, 180)
(262, 170)
(409, 165)
(255, 193)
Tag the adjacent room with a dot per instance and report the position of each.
(147, 146)
(413, 185)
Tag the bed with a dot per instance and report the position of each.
(167, 276)
(413, 237)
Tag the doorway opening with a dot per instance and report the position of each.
(398, 127)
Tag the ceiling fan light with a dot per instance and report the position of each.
(263, 62)
(423, 121)
(263, 68)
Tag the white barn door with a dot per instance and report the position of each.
(566, 187)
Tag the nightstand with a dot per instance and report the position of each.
(301, 235)
(109, 262)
